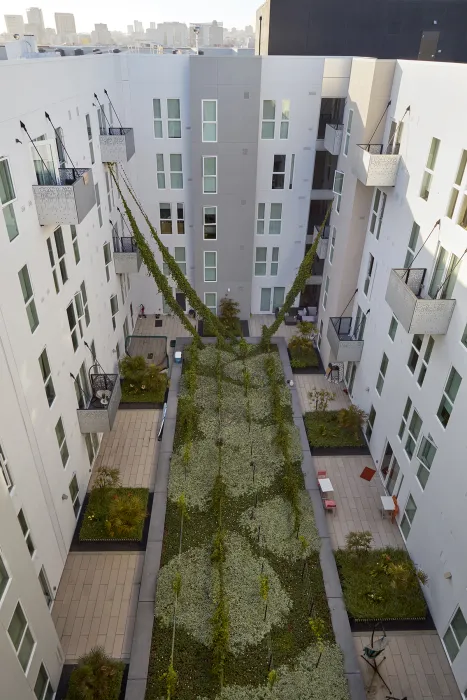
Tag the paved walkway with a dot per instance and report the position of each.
(306, 382)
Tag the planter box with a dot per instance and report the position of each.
(417, 624)
(339, 451)
(308, 370)
(68, 669)
(244, 326)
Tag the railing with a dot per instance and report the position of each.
(124, 244)
(100, 385)
(68, 176)
(373, 148)
(413, 277)
(115, 131)
(325, 234)
(336, 127)
(342, 326)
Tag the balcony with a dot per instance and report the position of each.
(322, 249)
(127, 258)
(99, 413)
(117, 145)
(375, 168)
(68, 200)
(333, 138)
(344, 347)
(415, 313)
(317, 268)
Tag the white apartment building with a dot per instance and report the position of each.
(235, 160)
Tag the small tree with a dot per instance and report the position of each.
(107, 478)
(352, 419)
(126, 514)
(133, 371)
(321, 398)
(318, 630)
(264, 591)
(154, 378)
(359, 542)
(228, 314)
(97, 677)
(307, 329)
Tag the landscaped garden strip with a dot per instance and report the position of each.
(324, 430)
(240, 545)
(97, 522)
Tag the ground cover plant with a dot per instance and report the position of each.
(379, 584)
(240, 610)
(334, 428)
(97, 677)
(142, 382)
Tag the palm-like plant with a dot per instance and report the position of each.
(97, 677)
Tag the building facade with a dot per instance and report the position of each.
(236, 161)
(14, 24)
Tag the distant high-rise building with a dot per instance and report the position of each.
(129, 28)
(36, 21)
(14, 24)
(139, 29)
(152, 25)
(172, 34)
(209, 34)
(101, 34)
(65, 23)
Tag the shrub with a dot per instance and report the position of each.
(97, 677)
(133, 371)
(359, 542)
(324, 430)
(320, 398)
(141, 379)
(228, 314)
(352, 419)
(107, 478)
(126, 514)
(97, 524)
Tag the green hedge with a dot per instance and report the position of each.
(370, 593)
(302, 359)
(96, 514)
(323, 430)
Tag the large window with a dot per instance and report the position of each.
(348, 129)
(42, 688)
(261, 214)
(260, 261)
(278, 172)
(393, 328)
(285, 119)
(4, 577)
(210, 266)
(412, 247)
(21, 637)
(408, 517)
(4, 469)
(444, 275)
(274, 262)
(210, 174)
(210, 223)
(275, 219)
(114, 309)
(332, 244)
(376, 217)
(165, 216)
(26, 532)
(160, 171)
(107, 260)
(157, 114)
(89, 132)
(209, 108)
(370, 423)
(369, 275)
(28, 297)
(337, 188)
(429, 169)
(455, 634)
(74, 493)
(180, 258)
(405, 418)
(210, 300)
(268, 122)
(425, 455)
(456, 188)
(47, 377)
(382, 373)
(426, 358)
(74, 240)
(7, 198)
(449, 396)
(98, 203)
(417, 341)
(174, 124)
(325, 291)
(61, 441)
(413, 433)
(176, 172)
(75, 312)
(180, 218)
(92, 446)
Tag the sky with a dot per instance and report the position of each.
(117, 15)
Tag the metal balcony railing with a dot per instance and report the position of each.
(124, 244)
(344, 345)
(98, 414)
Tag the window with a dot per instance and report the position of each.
(429, 169)
(4, 578)
(160, 171)
(74, 240)
(455, 634)
(405, 417)
(98, 202)
(369, 274)
(26, 532)
(123, 290)
(325, 291)
(165, 215)
(275, 262)
(156, 110)
(449, 396)
(425, 361)
(337, 188)
(426, 454)
(285, 117)
(82, 388)
(417, 341)
(209, 108)
(320, 334)
(210, 266)
(61, 440)
(260, 219)
(60, 247)
(107, 186)
(210, 300)
(28, 297)
(444, 275)
(278, 296)
(42, 688)
(464, 337)
(359, 327)
(107, 260)
(47, 377)
(409, 515)
(75, 313)
(260, 261)
(348, 129)
(7, 197)
(269, 116)
(370, 423)
(332, 244)
(45, 587)
(395, 137)
(21, 637)
(84, 298)
(210, 174)
(210, 223)
(456, 188)
(180, 258)
(292, 166)
(414, 428)
(382, 373)
(275, 219)
(89, 130)
(412, 247)
(393, 328)
(114, 309)
(74, 493)
(5, 471)
(174, 123)
(180, 218)
(265, 299)
(176, 175)
(92, 446)
(52, 264)
(376, 218)
(278, 173)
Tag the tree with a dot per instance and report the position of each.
(228, 314)
(97, 677)
(359, 542)
(133, 370)
(352, 419)
(321, 398)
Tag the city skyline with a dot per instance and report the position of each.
(86, 14)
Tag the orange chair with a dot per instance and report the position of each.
(395, 512)
(329, 505)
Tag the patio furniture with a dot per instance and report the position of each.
(367, 473)
(374, 649)
(322, 474)
(387, 505)
(325, 485)
(329, 505)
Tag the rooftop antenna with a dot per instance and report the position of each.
(196, 30)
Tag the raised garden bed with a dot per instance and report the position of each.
(142, 399)
(327, 437)
(92, 533)
(242, 329)
(229, 479)
(372, 593)
(305, 363)
(67, 670)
